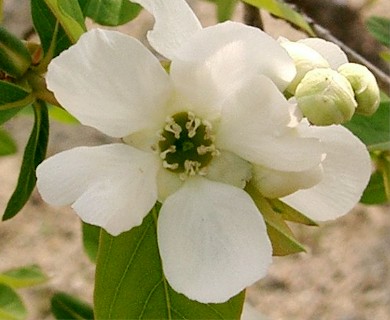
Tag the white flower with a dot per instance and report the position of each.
(192, 139)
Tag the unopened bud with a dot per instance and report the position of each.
(364, 86)
(325, 97)
(305, 60)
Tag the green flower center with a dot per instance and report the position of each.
(186, 144)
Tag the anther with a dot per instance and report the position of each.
(192, 125)
(191, 168)
(172, 166)
(173, 127)
(205, 149)
(171, 149)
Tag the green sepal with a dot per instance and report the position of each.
(282, 238)
(290, 214)
(130, 283)
(23, 277)
(34, 154)
(11, 305)
(15, 58)
(65, 306)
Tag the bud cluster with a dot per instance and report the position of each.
(326, 96)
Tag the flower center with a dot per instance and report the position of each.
(186, 144)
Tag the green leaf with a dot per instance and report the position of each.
(375, 192)
(130, 283)
(225, 9)
(8, 114)
(7, 144)
(282, 239)
(23, 277)
(91, 235)
(70, 16)
(15, 59)
(11, 306)
(11, 94)
(290, 214)
(65, 306)
(34, 154)
(45, 24)
(283, 11)
(374, 129)
(111, 12)
(379, 27)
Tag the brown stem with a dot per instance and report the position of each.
(252, 16)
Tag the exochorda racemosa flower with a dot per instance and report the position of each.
(192, 139)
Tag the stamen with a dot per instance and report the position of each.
(173, 127)
(172, 166)
(191, 168)
(208, 131)
(192, 125)
(205, 149)
(171, 149)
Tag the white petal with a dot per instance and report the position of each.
(254, 125)
(216, 60)
(112, 186)
(276, 184)
(212, 240)
(230, 169)
(167, 183)
(110, 81)
(175, 24)
(347, 170)
(330, 51)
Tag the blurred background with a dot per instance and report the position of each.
(345, 273)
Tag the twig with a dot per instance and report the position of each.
(252, 16)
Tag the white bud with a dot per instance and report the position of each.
(305, 59)
(325, 97)
(364, 86)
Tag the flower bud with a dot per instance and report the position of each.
(325, 97)
(364, 86)
(15, 59)
(305, 59)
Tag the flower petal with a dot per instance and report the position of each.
(111, 82)
(254, 125)
(330, 51)
(213, 241)
(230, 169)
(276, 184)
(112, 186)
(167, 183)
(347, 170)
(175, 24)
(216, 60)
